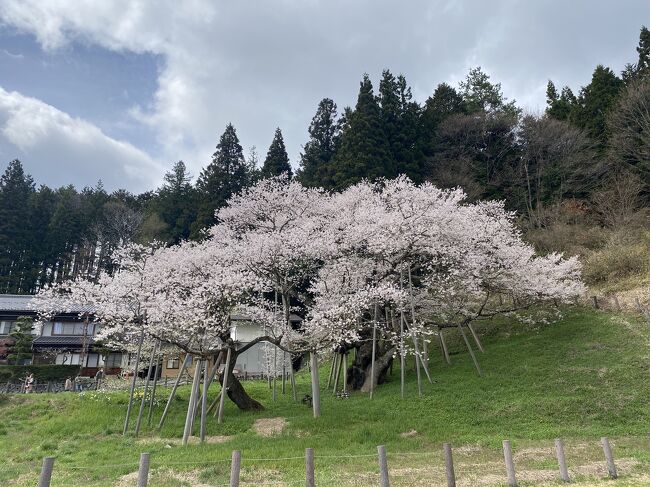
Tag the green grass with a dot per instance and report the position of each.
(581, 378)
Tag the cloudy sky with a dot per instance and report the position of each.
(119, 90)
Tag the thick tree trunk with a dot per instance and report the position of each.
(234, 389)
(359, 373)
(237, 394)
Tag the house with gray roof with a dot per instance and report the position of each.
(66, 339)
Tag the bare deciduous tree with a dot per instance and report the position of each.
(619, 198)
(629, 124)
(556, 158)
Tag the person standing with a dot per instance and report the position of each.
(98, 378)
(68, 384)
(29, 384)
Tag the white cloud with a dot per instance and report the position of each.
(59, 149)
(267, 64)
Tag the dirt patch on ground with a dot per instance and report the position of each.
(193, 440)
(269, 426)
(409, 434)
(180, 479)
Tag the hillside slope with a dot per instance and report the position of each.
(581, 378)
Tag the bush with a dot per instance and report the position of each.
(41, 372)
(619, 259)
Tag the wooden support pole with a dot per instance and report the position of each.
(345, 372)
(595, 300)
(309, 467)
(383, 466)
(443, 345)
(418, 357)
(402, 358)
(133, 382)
(607, 449)
(292, 378)
(275, 371)
(561, 460)
(143, 470)
(449, 465)
(204, 401)
(46, 472)
(478, 342)
(173, 392)
(417, 360)
(235, 466)
(331, 376)
(190, 407)
(374, 351)
(510, 465)
(337, 374)
(146, 389)
(224, 387)
(425, 352)
(471, 352)
(315, 387)
(155, 382)
(215, 403)
(213, 373)
(284, 372)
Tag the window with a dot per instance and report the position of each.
(92, 360)
(113, 360)
(173, 362)
(74, 329)
(67, 359)
(6, 327)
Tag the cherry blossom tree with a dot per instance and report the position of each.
(380, 268)
(426, 260)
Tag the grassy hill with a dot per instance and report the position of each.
(583, 377)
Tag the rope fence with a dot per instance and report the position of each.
(382, 456)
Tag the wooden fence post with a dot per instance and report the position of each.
(611, 467)
(510, 465)
(234, 468)
(595, 299)
(309, 467)
(561, 460)
(46, 472)
(143, 471)
(383, 467)
(449, 465)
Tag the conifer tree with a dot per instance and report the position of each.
(481, 95)
(559, 106)
(594, 102)
(175, 205)
(444, 102)
(21, 337)
(315, 170)
(641, 68)
(16, 188)
(364, 151)
(225, 176)
(277, 160)
(409, 155)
